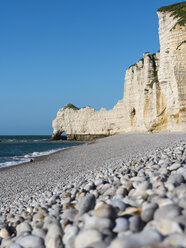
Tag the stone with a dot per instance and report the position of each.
(164, 202)
(54, 236)
(70, 214)
(148, 212)
(176, 240)
(86, 203)
(52, 200)
(174, 166)
(121, 225)
(167, 212)
(136, 224)
(39, 232)
(23, 227)
(99, 223)
(121, 191)
(4, 233)
(31, 241)
(70, 235)
(139, 240)
(176, 179)
(88, 237)
(118, 204)
(15, 246)
(105, 211)
(99, 244)
(167, 227)
(54, 242)
(6, 242)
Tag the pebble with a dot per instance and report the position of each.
(176, 240)
(31, 241)
(39, 232)
(168, 212)
(139, 203)
(118, 204)
(70, 235)
(174, 166)
(121, 225)
(148, 212)
(86, 203)
(4, 233)
(15, 246)
(23, 227)
(167, 227)
(143, 239)
(99, 223)
(86, 238)
(106, 211)
(70, 214)
(136, 224)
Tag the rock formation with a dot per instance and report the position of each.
(154, 92)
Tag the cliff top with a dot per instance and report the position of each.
(71, 106)
(178, 10)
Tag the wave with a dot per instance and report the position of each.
(14, 162)
(26, 158)
(38, 154)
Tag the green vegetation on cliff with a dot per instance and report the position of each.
(71, 106)
(178, 10)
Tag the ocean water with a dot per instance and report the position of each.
(20, 149)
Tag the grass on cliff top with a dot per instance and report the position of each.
(178, 10)
(71, 106)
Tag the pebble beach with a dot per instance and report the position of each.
(123, 191)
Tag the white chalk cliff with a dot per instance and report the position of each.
(154, 91)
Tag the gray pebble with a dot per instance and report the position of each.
(168, 211)
(136, 224)
(148, 212)
(118, 204)
(88, 237)
(139, 240)
(175, 240)
(23, 227)
(39, 232)
(121, 225)
(70, 214)
(15, 245)
(99, 244)
(99, 223)
(86, 203)
(31, 241)
(174, 166)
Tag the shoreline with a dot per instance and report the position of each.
(39, 157)
(47, 172)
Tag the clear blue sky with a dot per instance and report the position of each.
(54, 52)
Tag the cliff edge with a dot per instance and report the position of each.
(154, 91)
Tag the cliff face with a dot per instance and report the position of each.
(172, 71)
(87, 123)
(154, 92)
(140, 93)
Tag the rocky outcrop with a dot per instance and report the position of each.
(87, 123)
(154, 92)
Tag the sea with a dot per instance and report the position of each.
(20, 149)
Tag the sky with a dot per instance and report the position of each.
(54, 52)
